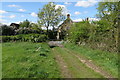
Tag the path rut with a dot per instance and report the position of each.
(63, 66)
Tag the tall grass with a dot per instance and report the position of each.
(28, 60)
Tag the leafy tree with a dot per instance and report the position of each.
(6, 30)
(110, 12)
(36, 27)
(79, 32)
(25, 23)
(49, 15)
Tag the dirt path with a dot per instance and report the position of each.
(71, 67)
(70, 59)
(90, 64)
(65, 73)
(76, 60)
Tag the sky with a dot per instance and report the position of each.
(15, 12)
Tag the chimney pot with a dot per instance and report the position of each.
(68, 15)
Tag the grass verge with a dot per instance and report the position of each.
(28, 60)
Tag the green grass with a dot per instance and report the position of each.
(21, 60)
(106, 60)
(77, 68)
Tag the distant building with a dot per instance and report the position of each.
(15, 26)
(64, 27)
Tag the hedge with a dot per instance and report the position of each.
(25, 38)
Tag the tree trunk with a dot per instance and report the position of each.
(54, 32)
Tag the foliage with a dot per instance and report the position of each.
(25, 23)
(24, 60)
(28, 30)
(109, 11)
(79, 32)
(52, 34)
(25, 38)
(95, 35)
(102, 34)
(6, 30)
(50, 15)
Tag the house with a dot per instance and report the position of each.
(64, 27)
(14, 26)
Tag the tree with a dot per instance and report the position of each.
(25, 23)
(6, 30)
(49, 15)
(110, 11)
(79, 32)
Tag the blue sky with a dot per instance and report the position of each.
(28, 10)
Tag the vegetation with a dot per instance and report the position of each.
(6, 30)
(25, 38)
(28, 60)
(50, 15)
(96, 34)
(110, 11)
(29, 30)
(25, 23)
(79, 32)
(25, 56)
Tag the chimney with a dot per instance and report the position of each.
(68, 16)
(87, 19)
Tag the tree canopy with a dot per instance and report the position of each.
(50, 15)
(25, 23)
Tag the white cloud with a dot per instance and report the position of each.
(77, 20)
(12, 16)
(57, 6)
(33, 14)
(17, 22)
(1, 16)
(22, 10)
(13, 5)
(22, 16)
(89, 19)
(86, 3)
(93, 19)
(77, 13)
(67, 3)
(65, 10)
(2, 11)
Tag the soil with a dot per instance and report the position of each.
(65, 73)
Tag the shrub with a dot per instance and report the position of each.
(6, 30)
(28, 31)
(79, 32)
(27, 37)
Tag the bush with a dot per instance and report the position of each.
(79, 32)
(28, 31)
(6, 30)
(27, 37)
